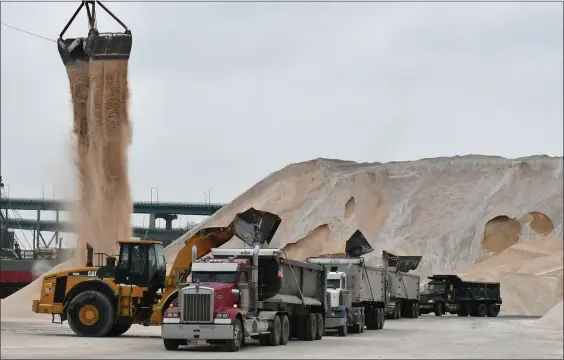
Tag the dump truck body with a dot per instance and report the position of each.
(450, 294)
(404, 295)
(224, 306)
(361, 297)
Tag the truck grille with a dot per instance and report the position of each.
(197, 307)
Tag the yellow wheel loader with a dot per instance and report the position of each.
(134, 288)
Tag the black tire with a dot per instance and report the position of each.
(439, 309)
(121, 326)
(362, 322)
(413, 311)
(493, 310)
(285, 325)
(310, 327)
(342, 331)
(481, 310)
(320, 326)
(369, 319)
(377, 319)
(276, 332)
(233, 345)
(416, 310)
(398, 311)
(171, 344)
(382, 319)
(102, 305)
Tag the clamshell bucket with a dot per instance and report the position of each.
(96, 46)
(401, 263)
(357, 245)
(256, 227)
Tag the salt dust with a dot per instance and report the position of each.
(99, 92)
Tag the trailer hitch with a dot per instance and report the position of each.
(96, 46)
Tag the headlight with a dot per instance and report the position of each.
(431, 301)
(222, 315)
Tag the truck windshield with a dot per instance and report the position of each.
(436, 286)
(222, 277)
(333, 284)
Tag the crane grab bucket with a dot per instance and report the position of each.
(96, 45)
(256, 226)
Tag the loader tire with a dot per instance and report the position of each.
(91, 314)
(121, 326)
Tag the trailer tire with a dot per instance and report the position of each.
(320, 326)
(310, 327)
(275, 333)
(233, 345)
(171, 344)
(377, 320)
(397, 312)
(285, 326)
(382, 318)
(362, 322)
(481, 310)
(416, 310)
(413, 312)
(91, 314)
(493, 310)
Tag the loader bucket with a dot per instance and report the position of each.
(402, 263)
(357, 245)
(256, 226)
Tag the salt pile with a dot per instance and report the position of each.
(553, 319)
(438, 208)
(530, 274)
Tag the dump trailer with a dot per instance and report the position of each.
(240, 293)
(450, 294)
(106, 300)
(404, 287)
(357, 295)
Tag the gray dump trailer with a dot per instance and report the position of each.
(357, 295)
(241, 293)
(404, 287)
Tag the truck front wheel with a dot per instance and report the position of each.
(233, 345)
(439, 309)
(171, 344)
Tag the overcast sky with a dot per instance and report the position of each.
(224, 94)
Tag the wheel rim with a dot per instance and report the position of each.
(88, 314)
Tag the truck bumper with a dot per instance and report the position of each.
(334, 322)
(197, 331)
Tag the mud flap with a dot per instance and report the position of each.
(256, 226)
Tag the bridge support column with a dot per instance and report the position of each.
(168, 218)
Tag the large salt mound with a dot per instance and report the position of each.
(438, 208)
(530, 275)
(552, 319)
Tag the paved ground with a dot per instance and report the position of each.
(426, 337)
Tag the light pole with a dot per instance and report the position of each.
(157, 191)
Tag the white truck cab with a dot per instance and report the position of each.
(336, 282)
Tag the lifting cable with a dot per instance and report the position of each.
(29, 33)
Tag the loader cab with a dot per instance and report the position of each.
(141, 263)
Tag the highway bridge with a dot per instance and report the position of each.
(164, 235)
(177, 208)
